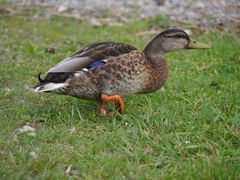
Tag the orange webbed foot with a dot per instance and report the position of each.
(119, 105)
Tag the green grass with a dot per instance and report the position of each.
(189, 130)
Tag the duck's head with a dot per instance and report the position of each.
(172, 40)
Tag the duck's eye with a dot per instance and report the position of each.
(194, 41)
(179, 36)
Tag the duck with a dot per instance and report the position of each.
(109, 71)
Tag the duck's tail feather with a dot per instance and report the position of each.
(39, 78)
(48, 87)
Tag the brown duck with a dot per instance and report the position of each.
(108, 71)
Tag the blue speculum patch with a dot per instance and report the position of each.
(96, 64)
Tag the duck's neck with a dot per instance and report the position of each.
(158, 74)
(154, 52)
(159, 71)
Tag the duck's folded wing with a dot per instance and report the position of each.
(90, 56)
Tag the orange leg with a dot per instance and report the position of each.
(117, 106)
(105, 98)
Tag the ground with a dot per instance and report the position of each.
(188, 130)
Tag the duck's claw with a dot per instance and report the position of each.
(101, 108)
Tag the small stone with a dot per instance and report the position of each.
(50, 50)
(68, 42)
(33, 155)
(8, 90)
(26, 128)
(94, 22)
(63, 8)
(198, 5)
(30, 131)
(72, 130)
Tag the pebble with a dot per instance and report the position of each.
(29, 130)
(33, 154)
(26, 128)
(203, 13)
(50, 50)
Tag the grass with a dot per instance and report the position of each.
(189, 130)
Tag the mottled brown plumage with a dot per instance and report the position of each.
(127, 74)
(108, 71)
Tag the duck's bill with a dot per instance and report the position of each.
(193, 44)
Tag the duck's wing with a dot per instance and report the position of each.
(93, 55)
